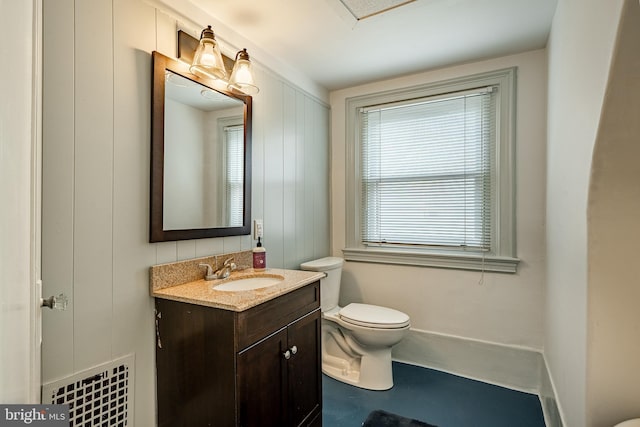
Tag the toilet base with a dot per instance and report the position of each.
(380, 377)
(346, 361)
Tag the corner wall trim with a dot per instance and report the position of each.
(517, 368)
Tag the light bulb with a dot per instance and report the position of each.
(242, 74)
(207, 61)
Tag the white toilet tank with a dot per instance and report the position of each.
(330, 285)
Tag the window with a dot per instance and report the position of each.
(431, 179)
(234, 151)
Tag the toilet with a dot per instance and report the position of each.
(629, 423)
(356, 339)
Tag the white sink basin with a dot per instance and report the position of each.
(249, 283)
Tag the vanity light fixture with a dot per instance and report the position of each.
(242, 74)
(207, 61)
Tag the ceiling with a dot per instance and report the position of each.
(195, 95)
(323, 40)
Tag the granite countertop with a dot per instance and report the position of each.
(202, 292)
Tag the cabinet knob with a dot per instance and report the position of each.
(290, 352)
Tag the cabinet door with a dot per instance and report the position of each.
(305, 382)
(195, 366)
(262, 379)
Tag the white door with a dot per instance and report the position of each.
(20, 201)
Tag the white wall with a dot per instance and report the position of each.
(580, 49)
(506, 308)
(184, 166)
(96, 131)
(19, 262)
(613, 339)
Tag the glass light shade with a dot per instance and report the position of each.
(207, 61)
(242, 75)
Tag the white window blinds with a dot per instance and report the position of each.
(428, 168)
(234, 144)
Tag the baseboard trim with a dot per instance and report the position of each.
(517, 368)
(552, 413)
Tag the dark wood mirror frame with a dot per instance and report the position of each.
(161, 63)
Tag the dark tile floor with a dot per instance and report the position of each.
(434, 397)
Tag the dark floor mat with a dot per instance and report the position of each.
(379, 418)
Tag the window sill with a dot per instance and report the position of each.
(457, 261)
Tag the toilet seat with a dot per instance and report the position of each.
(373, 316)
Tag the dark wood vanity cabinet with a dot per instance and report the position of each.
(259, 367)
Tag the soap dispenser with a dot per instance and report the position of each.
(259, 257)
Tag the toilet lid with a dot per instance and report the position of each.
(373, 316)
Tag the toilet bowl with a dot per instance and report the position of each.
(357, 338)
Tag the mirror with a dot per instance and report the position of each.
(200, 156)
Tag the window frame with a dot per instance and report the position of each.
(502, 256)
(222, 123)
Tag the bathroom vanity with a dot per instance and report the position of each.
(247, 358)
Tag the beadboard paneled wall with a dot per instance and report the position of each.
(96, 144)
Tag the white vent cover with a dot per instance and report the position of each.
(97, 397)
(362, 9)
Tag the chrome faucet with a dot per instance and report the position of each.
(209, 275)
(227, 267)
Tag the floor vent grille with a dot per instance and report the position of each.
(98, 397)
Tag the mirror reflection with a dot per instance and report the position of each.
(203, 156)
(200, 156)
